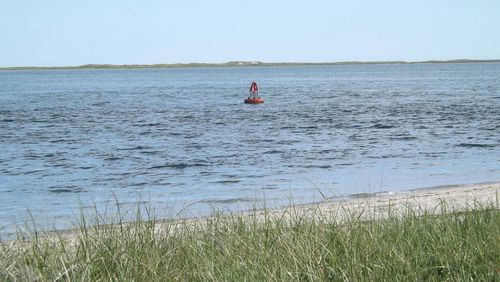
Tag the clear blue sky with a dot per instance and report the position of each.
(75, 32)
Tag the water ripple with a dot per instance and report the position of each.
(183, 135)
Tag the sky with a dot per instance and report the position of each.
(77, 32)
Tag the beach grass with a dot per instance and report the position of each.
(454, 245)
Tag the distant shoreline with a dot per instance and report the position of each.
(246, 64)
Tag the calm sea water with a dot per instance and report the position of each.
(183, 137)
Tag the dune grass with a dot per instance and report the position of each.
(452, 245)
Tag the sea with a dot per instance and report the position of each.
(181, 142)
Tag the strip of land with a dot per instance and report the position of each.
(428, 200)
(243, 64)
(375, 206)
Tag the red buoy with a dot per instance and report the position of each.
(257, 100)
(254, 97)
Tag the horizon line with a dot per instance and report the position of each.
(244, 63)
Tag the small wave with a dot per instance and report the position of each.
(489, 128)
(150, 152)
(344, 164)
(31, 171)
(147, 124)
(403, 138)
(178, 166)
(309, 127)
(382, 126)
(112, 158)
(40, 120)
(48, 125)
(134, 148)
(475, 145)
(226, 181)
(389, 156)
(225, 156)
(84, 167)
(123, 173)
(433, 154)
(54, 165)
(32, 156)
(100, 103)
(318, 166)
(226, 201)
(355, 137)
(65, 189)
(63, 141)
(274, 152)
(326, 151)
(287, 142)
(186, 117)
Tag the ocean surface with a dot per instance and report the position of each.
(182, 140)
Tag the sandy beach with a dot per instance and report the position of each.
(372, 206)
(430, 200)
(366, 207)
(455, 196)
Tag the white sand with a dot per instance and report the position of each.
(429, 200)
(370, 207)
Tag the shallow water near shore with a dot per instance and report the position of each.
(183, 137)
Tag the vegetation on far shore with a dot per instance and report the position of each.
(454, 245)
(242, 64)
